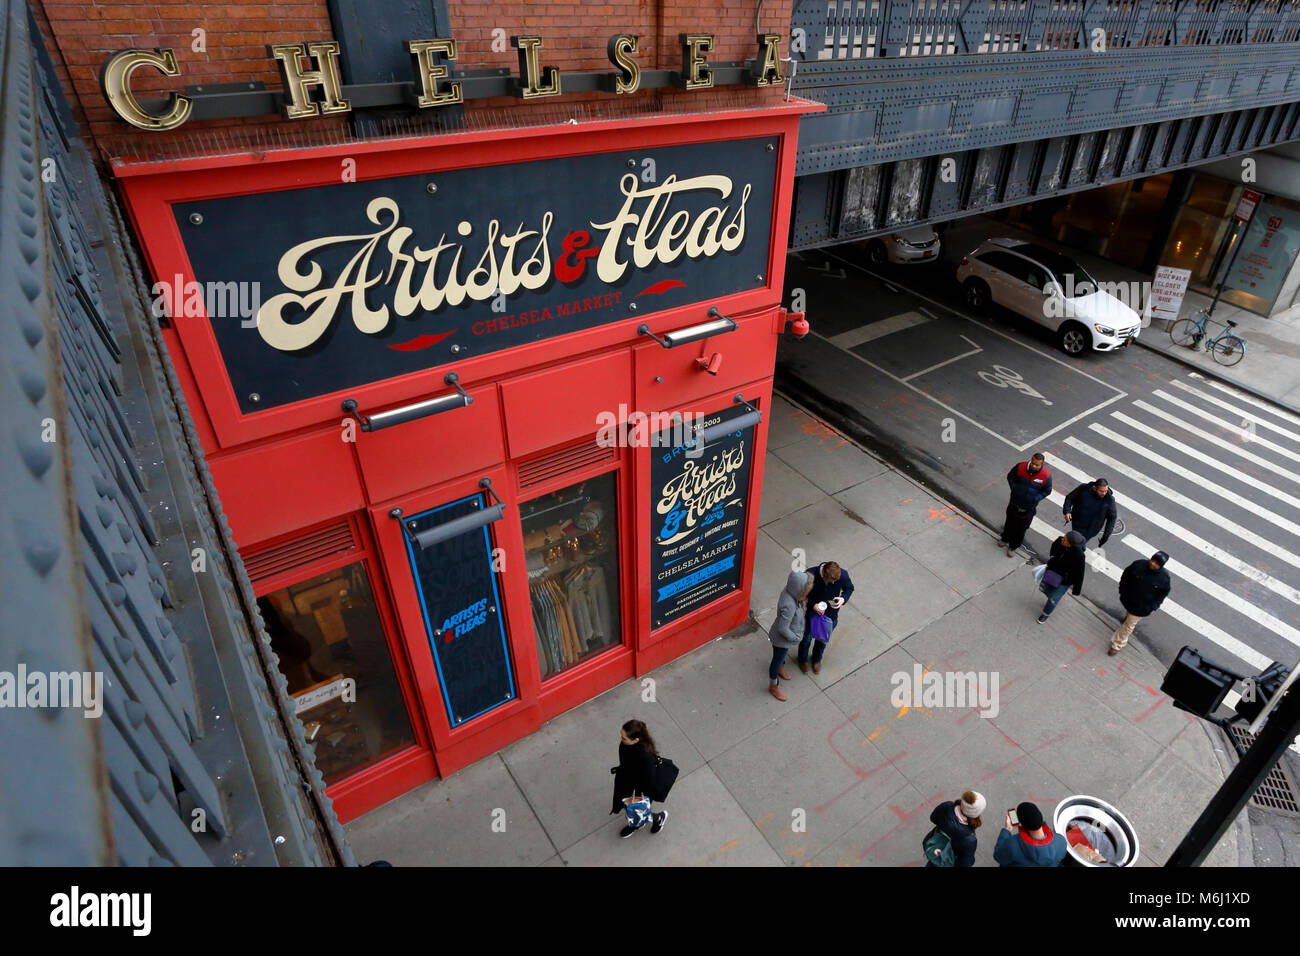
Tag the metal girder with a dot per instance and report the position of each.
(851, 204)
(105, 498)
(925, 77)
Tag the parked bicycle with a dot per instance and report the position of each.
(1228, 347)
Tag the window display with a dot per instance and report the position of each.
(327, 635)
(571, 550)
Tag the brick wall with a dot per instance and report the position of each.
(81, 34)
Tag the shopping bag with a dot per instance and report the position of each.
(662, 778)
(1038, 573)
(638, 809)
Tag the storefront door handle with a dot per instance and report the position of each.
(719, 324)
(407, 413)
(456, 526)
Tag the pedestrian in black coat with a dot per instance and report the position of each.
(1090, 509)
(1030, 483)
(1143, 587)
(960, 819)
(1064, 570)
(637, 756)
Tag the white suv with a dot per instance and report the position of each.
(1050, 289)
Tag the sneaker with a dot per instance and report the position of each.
(1042, 619)
(1011, 552)
(627, 831)
(660, 819)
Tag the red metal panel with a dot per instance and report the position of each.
(665, 377)
(564, 403)
(424, 452)
(278, 488)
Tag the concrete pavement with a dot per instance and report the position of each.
(860, 773)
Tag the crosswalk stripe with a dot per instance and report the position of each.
(1247, 654)
(1282, 413)
(1178, 498)
(1216, 440)
(1208, 549)
(1246, 504)
(1227, 426)
(1204, 459)
(1245, 415)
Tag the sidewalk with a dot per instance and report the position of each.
(931, 590)
(1269, 368)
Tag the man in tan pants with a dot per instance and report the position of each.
(1142, 588)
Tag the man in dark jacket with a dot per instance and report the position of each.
(1030, 483)
(1090, 508)
(1032, 843)
(833, 585)
(1142, 588)
(1064, 570)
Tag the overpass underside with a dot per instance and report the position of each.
(938, 110)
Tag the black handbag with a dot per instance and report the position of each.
(662, 777)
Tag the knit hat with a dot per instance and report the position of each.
(1160, 558)
(975, 808)
(1075, 538)
(1031, 818)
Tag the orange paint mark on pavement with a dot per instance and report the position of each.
(728, 846)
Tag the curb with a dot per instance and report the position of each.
(1175, 357)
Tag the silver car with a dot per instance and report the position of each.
(1051, 289)
(918, 244)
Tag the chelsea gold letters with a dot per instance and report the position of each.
(434, 83)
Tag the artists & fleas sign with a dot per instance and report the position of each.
(364, 281)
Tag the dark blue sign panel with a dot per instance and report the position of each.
(697, 518)
(363, 281)
(462, 613)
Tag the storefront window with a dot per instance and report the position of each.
(327, 635)
(571, 549)
(1201, 228)
(1268, 251)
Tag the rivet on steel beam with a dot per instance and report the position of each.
(771, 148)
(196, 218)
(431, 188)
(136, 712)
(455, 350)
(254, 397)
(147, 783)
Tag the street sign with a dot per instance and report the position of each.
(1167, 291)
(1246, 205)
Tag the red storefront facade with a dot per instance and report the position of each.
(371, 529)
